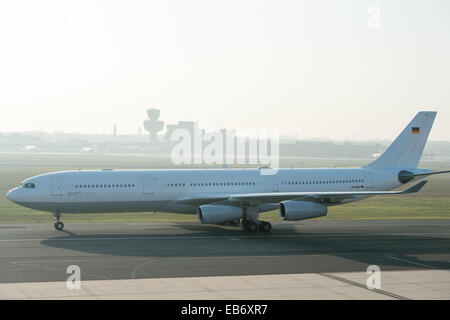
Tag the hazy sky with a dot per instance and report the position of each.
(316, 68)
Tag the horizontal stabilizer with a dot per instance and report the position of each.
(405, 176)
(415, 188)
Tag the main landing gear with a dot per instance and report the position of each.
(252, 225)
(58, 224)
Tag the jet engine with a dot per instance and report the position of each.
(299, 210)
(215, 214)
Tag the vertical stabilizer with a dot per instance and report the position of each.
(407, 149)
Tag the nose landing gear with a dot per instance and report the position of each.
(58, 224)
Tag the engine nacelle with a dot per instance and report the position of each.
(403, 176)
(299, 210)
(214, 214)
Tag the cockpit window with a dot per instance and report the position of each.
(29, 185)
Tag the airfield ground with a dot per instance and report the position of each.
(170, 256)
(186, 260)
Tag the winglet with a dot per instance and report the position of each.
(415, 188)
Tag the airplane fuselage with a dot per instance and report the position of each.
(157, 190)
(232, 195)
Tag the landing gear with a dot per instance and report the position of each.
(265, 226)
(251, 225)
(234, 222)
(58, 224)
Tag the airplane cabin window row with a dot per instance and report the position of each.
(214, 184)
(79, 186)
(175, 184)
(324, 182)
(204, 184)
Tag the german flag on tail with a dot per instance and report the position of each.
(415, 130)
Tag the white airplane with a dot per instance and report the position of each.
(231, 195)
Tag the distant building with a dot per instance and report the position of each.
(190, 126)
(153, 125)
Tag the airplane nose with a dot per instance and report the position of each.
(11, 195)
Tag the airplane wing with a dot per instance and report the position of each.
(273, 197)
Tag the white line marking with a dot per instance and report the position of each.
(146, 259)
(411, 262)
(79, 260)
(133, 274)
(225, 237)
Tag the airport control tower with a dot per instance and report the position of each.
(153, 125)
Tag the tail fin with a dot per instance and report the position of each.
(407, 149)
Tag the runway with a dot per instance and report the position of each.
(106, 251)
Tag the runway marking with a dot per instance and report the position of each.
(133, 274)
(353, 283)
(411, 262)
(13, 227)
(81, 260)
(215, 257)
(63, 270)
(225, 237)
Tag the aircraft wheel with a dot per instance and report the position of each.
(59, 225)
(265, 226)
(234, 222)
(251, 226)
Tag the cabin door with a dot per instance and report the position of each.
(369, 180)
(56, 187)
(148, 185)
(275, 185)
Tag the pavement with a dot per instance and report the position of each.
(186, 260)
